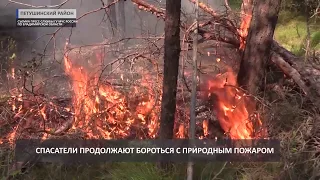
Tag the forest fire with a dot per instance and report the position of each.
(100, 110)
(231, 108)
(107, 105)
(104, 112)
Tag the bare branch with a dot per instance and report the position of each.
(33, 6)
(227, 5)
(142, 5)
(206, 9)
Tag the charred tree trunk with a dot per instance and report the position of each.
(258, 45)
(171, 66)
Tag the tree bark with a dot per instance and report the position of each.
(258, 45)
(192, 125)
(171, 65)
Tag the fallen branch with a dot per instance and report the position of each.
(309, 76)
(290, 71)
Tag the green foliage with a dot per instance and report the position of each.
(235, 4)
(287, 16)
(300, 6)
(7, 45)
(8, 49)
(291, 32)
(4, 98)
(315, 40)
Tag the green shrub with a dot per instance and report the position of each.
(315, 40)
(291, 32)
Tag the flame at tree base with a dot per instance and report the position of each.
(231, 107)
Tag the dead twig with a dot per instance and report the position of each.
(33, 6)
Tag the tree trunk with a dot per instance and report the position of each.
(258, 45)
(192, 125)
(122, 20)
(122, 26)
(113, 18)
(171, 65)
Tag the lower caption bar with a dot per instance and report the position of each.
(94, 151)
(46, 22)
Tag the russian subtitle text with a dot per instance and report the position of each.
(47, 13)
(153, 150)
(45, 22)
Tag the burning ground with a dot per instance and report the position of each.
(123, 102)
(120, 99)
(118, 96)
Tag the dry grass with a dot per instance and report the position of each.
(294, 122)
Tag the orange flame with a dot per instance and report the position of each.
(13, 74)
(231, 108)
(246, 15)
(102, 111)
(98, 105)
(181, 132)
(205, 127)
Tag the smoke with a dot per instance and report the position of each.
(92, 28)
(95, 27)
